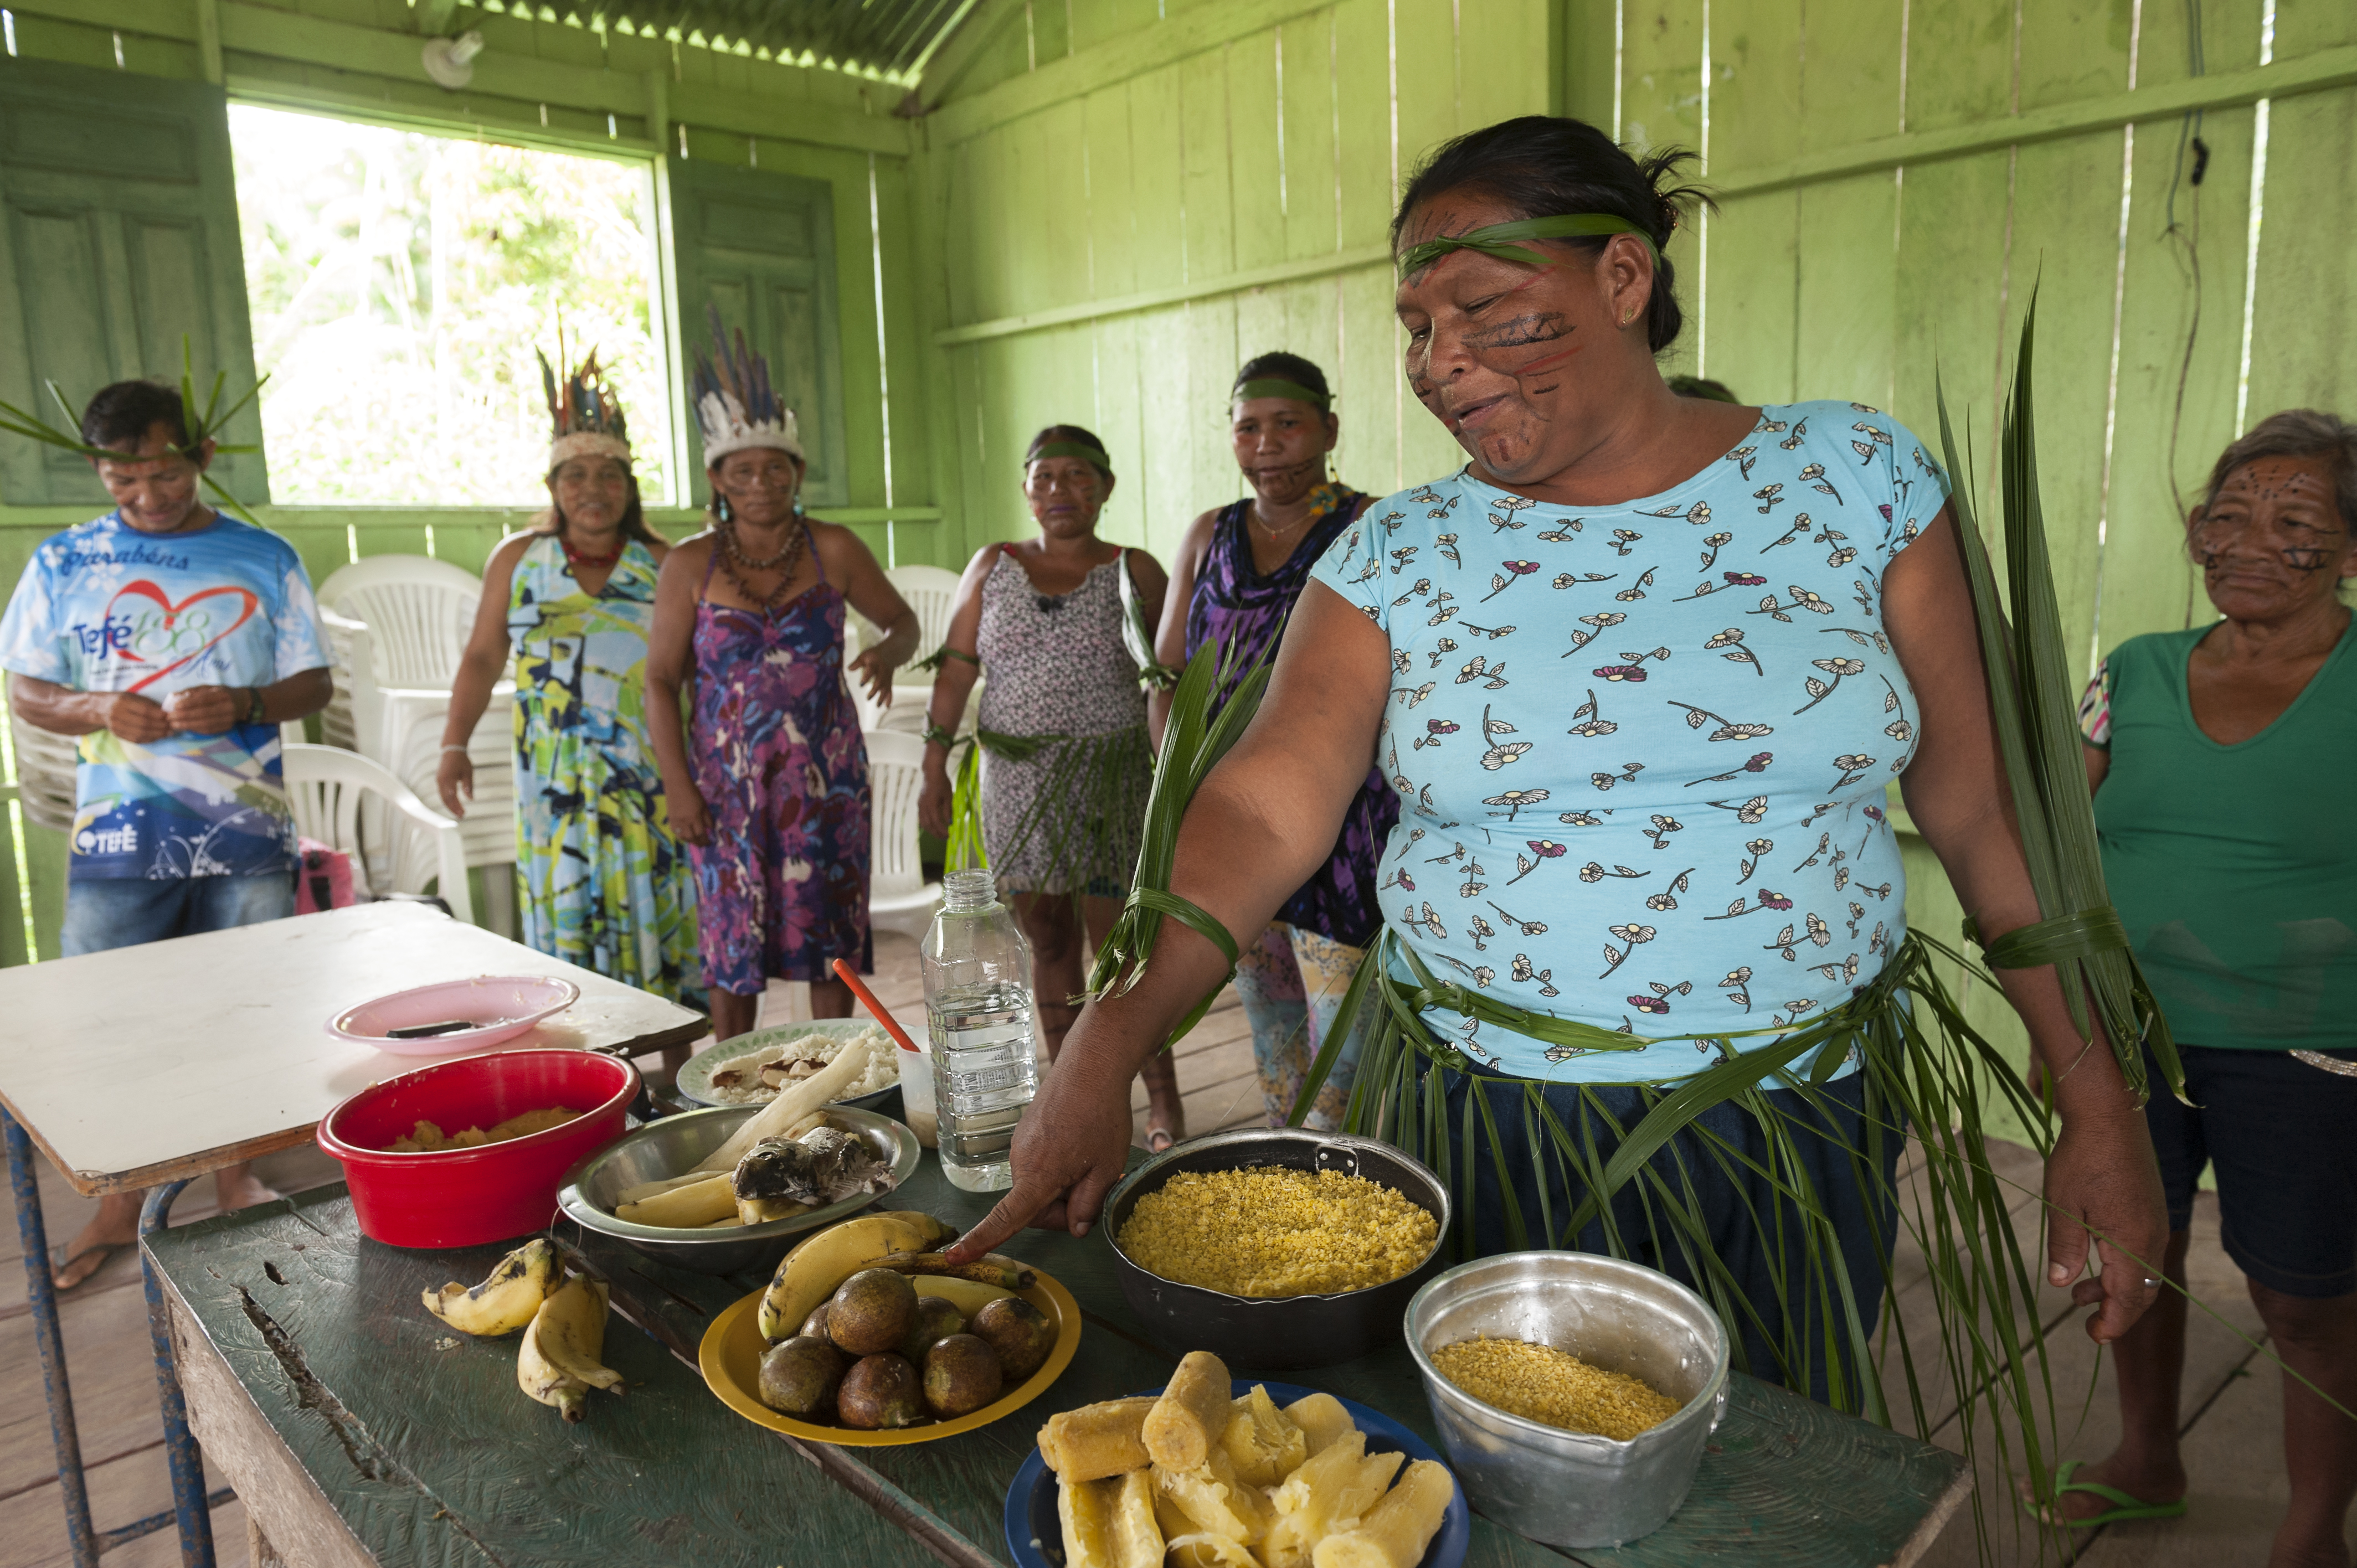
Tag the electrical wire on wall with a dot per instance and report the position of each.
(2184, 236)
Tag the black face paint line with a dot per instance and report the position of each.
(2309, 559)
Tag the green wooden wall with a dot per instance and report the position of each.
(1122, 200)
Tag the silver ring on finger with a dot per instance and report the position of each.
(2151, 1283)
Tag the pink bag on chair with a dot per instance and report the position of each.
(323, 879)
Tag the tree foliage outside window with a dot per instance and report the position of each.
(400, 282)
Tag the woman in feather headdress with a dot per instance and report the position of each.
(774, 805)
(572, 599)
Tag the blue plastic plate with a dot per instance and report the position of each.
(1035, 1535)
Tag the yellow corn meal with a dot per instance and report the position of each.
(1540, 1383)
(1272, 1232)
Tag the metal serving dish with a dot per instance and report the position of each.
(671, 1145)
(1571, 1488)
(1282, 1333)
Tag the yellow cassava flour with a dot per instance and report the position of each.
(1272, 1232)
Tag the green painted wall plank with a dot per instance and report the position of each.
(1660, 74)
(1849, 80)
(1312, 204)
(2180, 351)
(1430, 86)
(1950, 314)
(1959, 63)
(1845, 312)
(1157, 169)
(1112, 230)
(1586, 47)
(1256, 175)
(2306, 293)
(1361, 92)
(2074, 48)
(2066, 243)
(1206, 184)
(2303, 26)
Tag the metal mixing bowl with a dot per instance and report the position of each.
(1281, 1333)
(671, 1145)
(1570, 1489)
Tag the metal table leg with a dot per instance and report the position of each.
(34, 1232)
(190, 1504)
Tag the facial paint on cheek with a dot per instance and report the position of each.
(2307, 559)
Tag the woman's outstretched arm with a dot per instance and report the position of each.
(1262, 820)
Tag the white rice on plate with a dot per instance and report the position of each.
(806, 1054)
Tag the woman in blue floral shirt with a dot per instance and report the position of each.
(1638, 673)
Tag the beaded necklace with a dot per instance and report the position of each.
(735, 562)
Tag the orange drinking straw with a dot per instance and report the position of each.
(891, 1024)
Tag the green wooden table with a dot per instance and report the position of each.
(360, 1430)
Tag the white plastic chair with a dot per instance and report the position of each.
(930, 592)
(45, 773)
(327, 787)
(489, 828)
(898, 896)
(413, 615)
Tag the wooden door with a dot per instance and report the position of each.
(118, 235)
(760, 246)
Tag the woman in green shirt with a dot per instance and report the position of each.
(2221, 757)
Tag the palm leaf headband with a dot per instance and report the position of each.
(1499, 240)
(201, 423)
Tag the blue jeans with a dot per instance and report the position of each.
(103, 912)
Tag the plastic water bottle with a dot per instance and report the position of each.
(979, 1012)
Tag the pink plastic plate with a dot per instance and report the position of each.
(501, 1006)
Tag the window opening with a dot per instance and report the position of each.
(402, 286)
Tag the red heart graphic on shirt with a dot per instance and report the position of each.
(247, 601)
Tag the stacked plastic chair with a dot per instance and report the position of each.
(398, 626)
(328, 787)
(930, 591)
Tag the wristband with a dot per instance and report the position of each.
(454, 748)
(256, 710)
(936, 734)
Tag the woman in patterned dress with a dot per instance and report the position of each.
(1239, 570)
(1638, 673)
(1063, 822)
(774, 807)
(571, 600)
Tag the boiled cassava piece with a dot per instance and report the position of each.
(1192, 1414)
(1097, 1440)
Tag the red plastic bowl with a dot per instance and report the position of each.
(463, 1198)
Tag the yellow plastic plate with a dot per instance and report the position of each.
(731, 1354)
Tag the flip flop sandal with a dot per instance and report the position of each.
(2124, 1507)
(58, 1261)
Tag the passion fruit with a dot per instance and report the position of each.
(962, 1374)
(1019, 1332)
(871, 1312)
(880, 1392)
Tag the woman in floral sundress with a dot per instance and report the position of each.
(571, 600)
(1239, 570)
(774, 807)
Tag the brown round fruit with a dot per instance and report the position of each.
(871, 1312)
(814, 1325)
(800, 1377)
(880, 1392)
(936, 1319)
(962, 1374)
(1019, 1332)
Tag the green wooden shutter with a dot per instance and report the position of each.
(762, 247)
(118, 235)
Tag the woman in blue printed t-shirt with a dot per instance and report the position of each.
(1638, 673)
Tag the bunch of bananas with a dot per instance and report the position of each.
(903, 1240)
(563, 1317)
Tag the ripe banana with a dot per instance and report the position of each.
(557, 1362)
(506, 1300)
(812, 1271)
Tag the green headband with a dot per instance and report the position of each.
(1081, 449)
(1497, 240)
(1277, 386)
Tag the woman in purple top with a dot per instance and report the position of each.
(1239, 570)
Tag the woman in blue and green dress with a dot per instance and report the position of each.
(605, 885)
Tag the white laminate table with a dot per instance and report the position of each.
(147, 1067)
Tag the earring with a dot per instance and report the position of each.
(1628, 316)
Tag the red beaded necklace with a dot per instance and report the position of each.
(583, 558)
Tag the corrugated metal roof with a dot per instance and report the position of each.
(886, 39)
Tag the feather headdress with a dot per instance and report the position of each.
(587, 418)
(734, 403)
